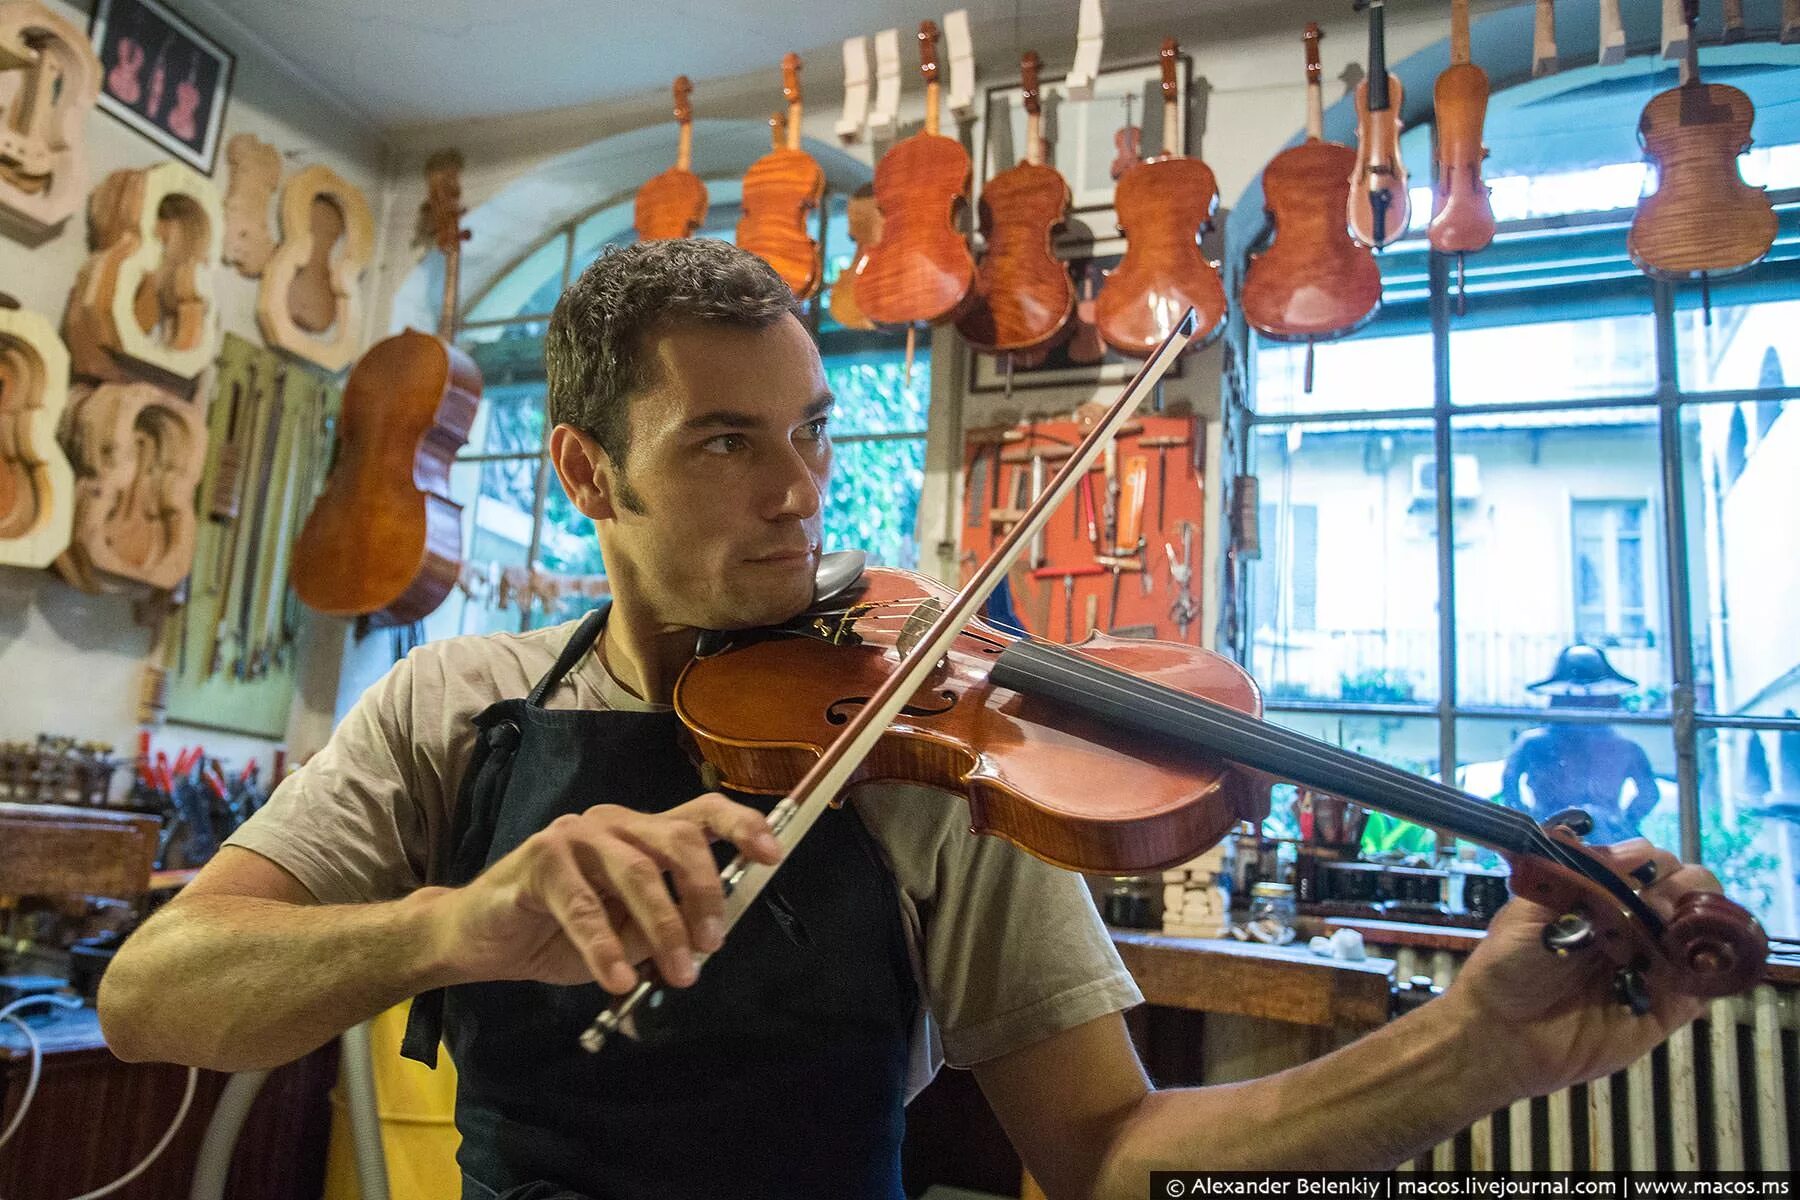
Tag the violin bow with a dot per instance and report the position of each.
(795, 815)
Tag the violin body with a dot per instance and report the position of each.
(1314, 282)
(384, 538)
(1023, 296)
(1379, 170)
(672, 205)
(1134, 810)
(865, 231)
(921, 269)
(1462, 220)
(1702, 217)
(781, 189)
(1163, 205)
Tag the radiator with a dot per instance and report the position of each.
(1720, 1095)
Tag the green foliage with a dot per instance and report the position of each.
(1376, 685)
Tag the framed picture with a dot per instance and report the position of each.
(1084, 136)
(1081, 359)
(162, 77)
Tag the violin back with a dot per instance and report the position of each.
(921, 269)
(385, 539)
(1462, 219)
(1023, 295)
(1163, 206)
(1314, 282)
(865, 231)
(780, 191)
(672, 205)
(1702, 218)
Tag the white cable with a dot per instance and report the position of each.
(37, 1059)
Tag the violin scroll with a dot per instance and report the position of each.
(1715, 945)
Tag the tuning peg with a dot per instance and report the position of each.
(1576, 820)
(1567, 934)
(1631, 990)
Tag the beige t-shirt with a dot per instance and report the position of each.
(1007, 949)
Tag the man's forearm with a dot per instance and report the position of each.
(1373, 1104)
(235, 983)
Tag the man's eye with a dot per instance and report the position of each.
(725, 443)
(817, 428)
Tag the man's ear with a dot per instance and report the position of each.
(583, 468)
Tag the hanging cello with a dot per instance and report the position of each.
(1114, 756)
(384, 540)
(1164, 204)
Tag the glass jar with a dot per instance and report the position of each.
(1272, 913)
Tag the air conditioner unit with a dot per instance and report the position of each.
(1465, 479)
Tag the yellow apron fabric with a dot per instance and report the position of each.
(418, 1132)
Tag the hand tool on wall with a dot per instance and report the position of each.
(1068, 576)
(1162, 446)
(1181, 571)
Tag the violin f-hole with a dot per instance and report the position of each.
(841, 711)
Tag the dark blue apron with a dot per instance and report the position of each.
(781, 1073)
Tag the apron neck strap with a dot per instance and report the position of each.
(586, 634)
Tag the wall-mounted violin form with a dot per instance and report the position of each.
(255, 174)
(143, 302)
(1023, 295)
(1702, 218)
(781, 190)
(1314, 282)
(310, 303)
(49, 81)
(1164, 204)
(138, 453)
(673, 205)
(37, 488)
(921, 269)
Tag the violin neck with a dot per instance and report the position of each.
(1459, 33)
(1315, 108)
(793, 125)
(684, 149)
(452, 283)
(1171, 130)
(1690, 60)
(1034, 138)
(1119, 698)
(1378, 72)
(931, 108)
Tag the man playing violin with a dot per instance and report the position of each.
(512, 827)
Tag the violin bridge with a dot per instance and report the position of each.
(917, 623)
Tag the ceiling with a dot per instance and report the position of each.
(400, 63)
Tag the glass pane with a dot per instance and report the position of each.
(1554, 360)
(1343, 601)
(1621, 775)
(1742, 348)
(1558, 542)
(1410, 743)
(873, 395)
(494, 536)
(569, 546)
(608, 226)
(1741, 470)
(840, 252)
(511, 416)
(1360, 374)
(529, 288)
(873, 504)
(1749, 803)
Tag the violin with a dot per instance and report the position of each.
(1128, 141)
(1313, 282)
(1023, 296)
(865, 231)
(384, 539)
(1114, 756)
(780, 191)
(920, 270)
(1462, 218)
(1164, 205)
(1378, 208)
(1702, 219)
(673, 204)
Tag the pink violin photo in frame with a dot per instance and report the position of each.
(163, 77)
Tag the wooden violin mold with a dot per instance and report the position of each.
(143, 302)
(54, 81)
(37, 485)
(310, 303)
(138, 453)
(255, 174)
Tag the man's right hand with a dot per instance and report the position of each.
(586, 898)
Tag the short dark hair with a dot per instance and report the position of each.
(594, 350)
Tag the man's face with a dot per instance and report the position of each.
(728, 460)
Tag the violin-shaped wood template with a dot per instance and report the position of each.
(255, 174)
(310, 303)
(49, 82)
(1023, 295)
(138, 454)
(673, 204)
(1164, 204)
(37, 487)
(143, 302)
(781, 190)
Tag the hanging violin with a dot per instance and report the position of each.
(1462, 217)
(781, 189)
(1114, 756)
(673, 204)
(1379, 208)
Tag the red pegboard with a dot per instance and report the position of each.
(1075, 577)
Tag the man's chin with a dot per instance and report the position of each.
(769, 602)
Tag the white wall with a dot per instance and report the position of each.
(70, 663)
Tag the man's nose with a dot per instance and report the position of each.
(796, 487)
